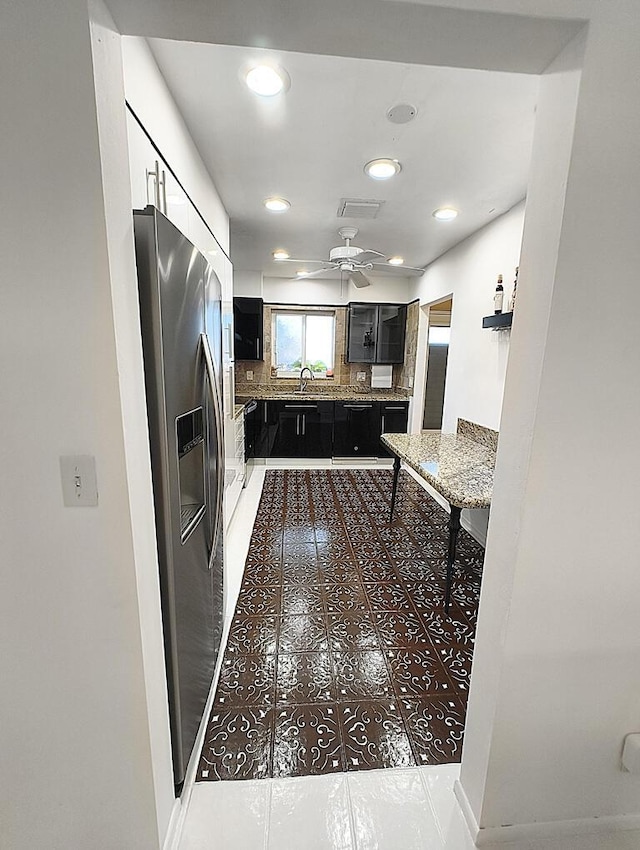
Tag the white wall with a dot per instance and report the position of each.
(280, 290)
(554, 688)
(477, 361)
(77, 756)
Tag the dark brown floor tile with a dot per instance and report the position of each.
(301, 573)
(420, 570)
(237, 744)
(259, 600)
(417, 672)
(374, 735)
(338, 552)
(252, 636)
(436, 728)
(303, 633)
(401, 630)
(377, 571)
(342, 572)
(366, 552)
(298, 534)
(390, 596)
(302, 599)
(425, 595)
(295, 553)
(262, 573)
(351, 632)
(456, 661)
(307, 740)
(268, 553)
(448, 628)
(246, 680)
(305, 677)
(344, 597)
(361, 675)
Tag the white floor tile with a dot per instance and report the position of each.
(310, 812)
(391, 811)
(438, 781)
(227, 816)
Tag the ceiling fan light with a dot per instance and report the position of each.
(445, 214)
(277, 204)
(266, 80)
(382, 169)
(396, 261)
(280, 254)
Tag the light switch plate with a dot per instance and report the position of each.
(79, 481)
(249, 375)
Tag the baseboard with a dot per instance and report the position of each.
(525, 832)
(174, 830)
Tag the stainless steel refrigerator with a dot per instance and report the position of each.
(180, 310)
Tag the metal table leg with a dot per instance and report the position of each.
(396, 470)
(454, 528)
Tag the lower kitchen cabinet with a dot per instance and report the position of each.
(323, 428)
(394, 418)
(303, 429)
(356, 429)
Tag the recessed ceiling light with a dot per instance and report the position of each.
(277, 204)
(382, 169)
(177, 200)
(280, 254)
(266, 80)
(212, 253)
(395, 261)
(301, 272)
(445, 214)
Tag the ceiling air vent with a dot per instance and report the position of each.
(357, 208)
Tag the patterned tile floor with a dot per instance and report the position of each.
(340, 656)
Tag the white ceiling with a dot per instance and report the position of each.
(468, 147)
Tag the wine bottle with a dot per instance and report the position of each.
(498, 298)
(512, 302)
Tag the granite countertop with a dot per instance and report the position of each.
(345, 393)
(237, 410)
(460, 469)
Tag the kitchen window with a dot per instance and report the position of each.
(303, 339)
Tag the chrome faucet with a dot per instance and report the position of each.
(303, 383)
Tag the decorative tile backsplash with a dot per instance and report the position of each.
(345, 374)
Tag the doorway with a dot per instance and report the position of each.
(436, 368)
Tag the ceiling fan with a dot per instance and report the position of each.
(352, 262)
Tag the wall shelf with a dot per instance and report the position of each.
(498, 321)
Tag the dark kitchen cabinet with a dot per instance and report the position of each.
(376, 333)
(248, 328)
(394, 418)
(302, 429)
(356, 429)
(254, 429)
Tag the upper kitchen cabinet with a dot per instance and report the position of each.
(248, 323)
(376, 333)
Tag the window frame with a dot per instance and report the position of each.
(282, 373)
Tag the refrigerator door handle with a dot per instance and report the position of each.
(217, 407)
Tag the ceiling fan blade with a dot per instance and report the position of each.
(397, 271)
(367, 256)
(359, 280)
(316, 273)
(304, 262)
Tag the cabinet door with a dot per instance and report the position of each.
(392, 320)
(361, 337)
(247, 319)
(316, 430)
(356, 429)
(394, 420)
(287, 437)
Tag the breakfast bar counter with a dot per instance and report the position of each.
(458, 467)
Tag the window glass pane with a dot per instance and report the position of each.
(288, 342)
(319, 354)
